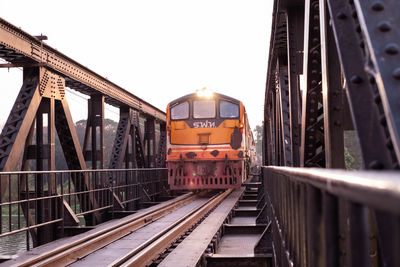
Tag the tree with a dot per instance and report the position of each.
(258, 140)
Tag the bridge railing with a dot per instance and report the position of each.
(56, 201)
(326, 217)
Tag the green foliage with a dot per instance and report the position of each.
(352, 152)
(258, 131)
(110, 130)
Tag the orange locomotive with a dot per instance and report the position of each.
(210, 144)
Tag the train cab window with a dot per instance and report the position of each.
(203, 109)
(228, 109)
(180, 111)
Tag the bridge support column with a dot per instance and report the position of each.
(128, 151)
(42, 95)
(150, 142)
(95, 133)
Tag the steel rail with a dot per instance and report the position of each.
(144, 254)
(17, 46)
(69, 253)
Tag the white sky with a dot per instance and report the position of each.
(158, 50)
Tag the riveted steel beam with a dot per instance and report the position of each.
(17, 46)
(312, 141)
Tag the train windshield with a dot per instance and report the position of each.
(228, 109)
(180, 111)
(203, 109)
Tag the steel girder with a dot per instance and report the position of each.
(351, 54)
(344, 51)
(42, 92)
(95, 133)
(128, 142)
(22, 49)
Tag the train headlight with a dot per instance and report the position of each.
(205, 92)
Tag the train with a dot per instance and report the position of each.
(210, 144)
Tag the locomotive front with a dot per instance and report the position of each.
(206, 147)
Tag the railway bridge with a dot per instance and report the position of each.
(332, 103)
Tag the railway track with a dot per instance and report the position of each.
(80, 248)
(142, 254)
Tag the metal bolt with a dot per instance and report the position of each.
(377, 99)
(389, 144)
(375, 164)
(392, 49)
(356, 79)
(337, 123)
(341, 15)
(396, 73)
(377, 6)
(382, 120)
(384, 26)
(372, 80)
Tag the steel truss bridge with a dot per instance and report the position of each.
(333, 76)
(333, 70)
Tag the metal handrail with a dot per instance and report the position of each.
(377, 189)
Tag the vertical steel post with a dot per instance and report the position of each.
(295, 43)
(332, 92)
(312, 138)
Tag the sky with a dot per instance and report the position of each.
(159, 50)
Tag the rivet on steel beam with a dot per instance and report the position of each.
(377, 99)
(372, 80)
(384, 26)
(336, 108)
(392, 49)
(315, 52)
(377, 6)
(389, 144)
(337, 123)
(314, 83)
(375, 164)
(382, 120)
(396, 73)
(341, 15)
(356, 79)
